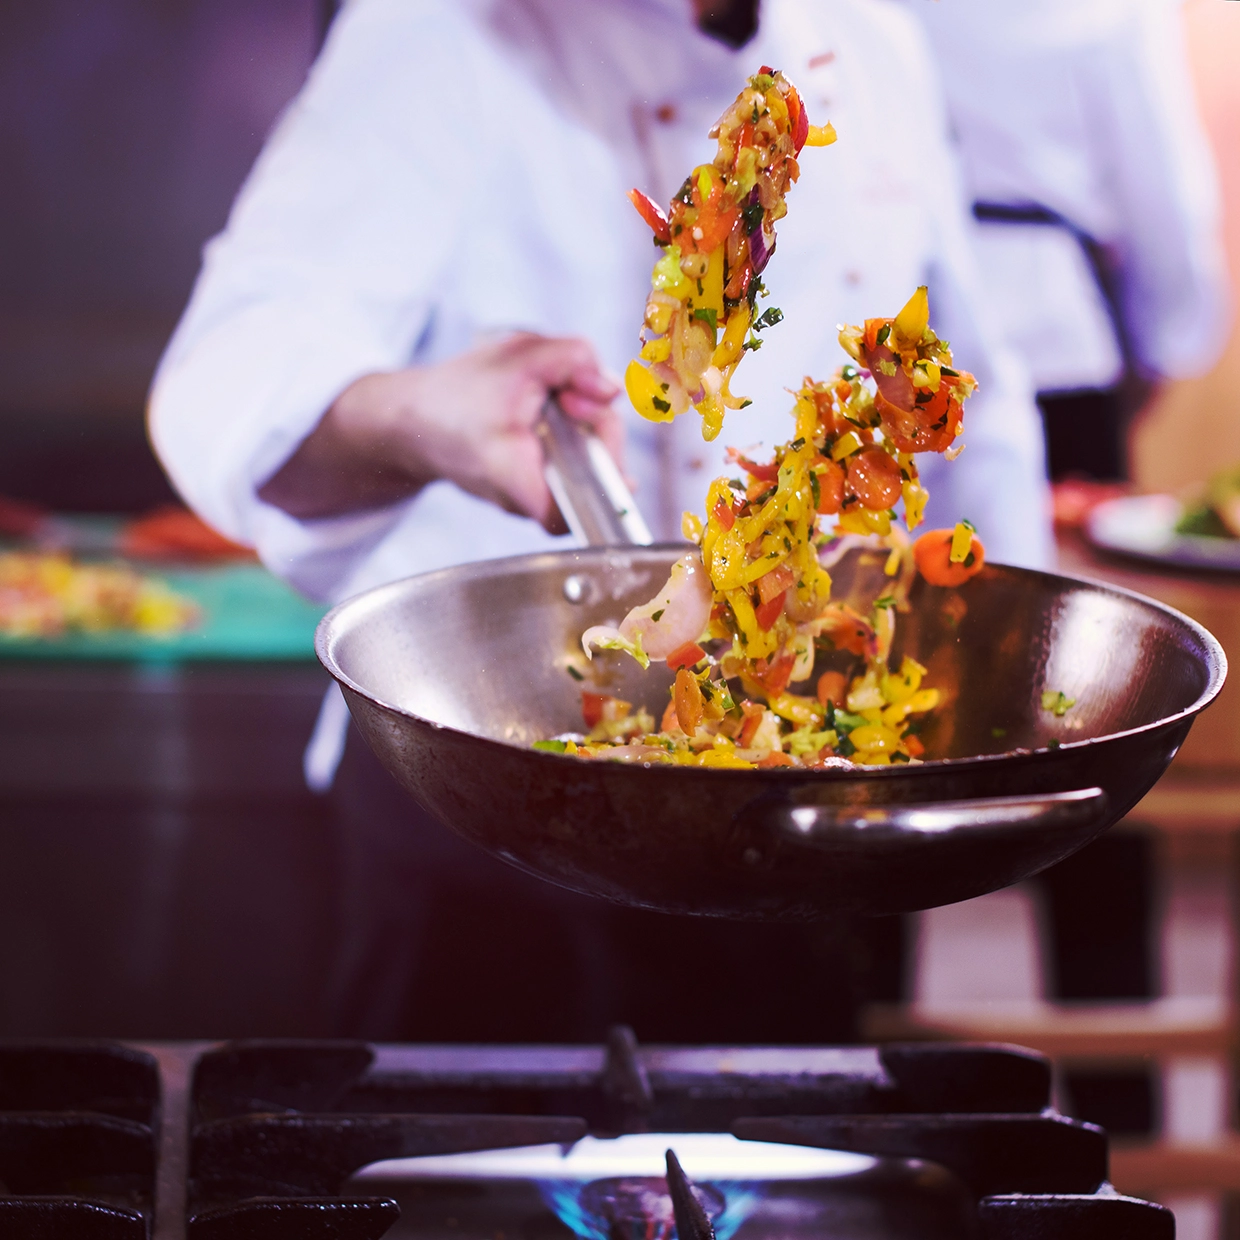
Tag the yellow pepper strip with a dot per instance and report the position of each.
(845, 445)
(726, 759)
(923, 700)
(900, 687)
(962, 541)
(892, 565)
(874, 737)
(648, 395)
(733, 341)
(915, 499)
(821, 135)
(711, 297)
(800, 710)
(910, 324)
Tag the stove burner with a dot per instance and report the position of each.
(257, 1140)
(636, 1208)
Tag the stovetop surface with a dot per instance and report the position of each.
(263, 1140)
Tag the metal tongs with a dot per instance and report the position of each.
(593, 497)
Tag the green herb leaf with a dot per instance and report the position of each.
(574, 673)
(657, 616)
(663, 406)
(797, 444)
(708, 314)
(768, 318)
(884, 333)
(886, 601)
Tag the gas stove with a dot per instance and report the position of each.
(263, 1140)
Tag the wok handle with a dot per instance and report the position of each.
(835, 824)
(592, 496)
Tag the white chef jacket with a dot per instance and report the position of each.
(1085, 107)
(454, 168)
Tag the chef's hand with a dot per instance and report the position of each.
(470, 420)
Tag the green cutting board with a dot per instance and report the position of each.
(246, 613)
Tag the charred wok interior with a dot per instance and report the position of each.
(451, 677)
(265, 1140)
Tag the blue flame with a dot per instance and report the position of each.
(564, 1198)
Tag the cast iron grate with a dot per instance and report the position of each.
(260, 1138)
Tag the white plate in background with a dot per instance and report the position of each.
(1144, 526)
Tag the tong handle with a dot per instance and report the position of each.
(591, 494)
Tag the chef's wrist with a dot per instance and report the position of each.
(353, 460)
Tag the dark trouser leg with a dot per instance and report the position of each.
(1100, 907)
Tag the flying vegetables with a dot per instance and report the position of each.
(716, 240)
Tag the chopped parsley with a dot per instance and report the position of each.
(574, 673)
(708, 314)
(663, 406)
(768, 318)
(884, 334)
(658, 615)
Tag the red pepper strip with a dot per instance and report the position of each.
(775, 677)
(592, 707)
(765, 473)
(724, 515)
(652, 213)
(767, 70)
(776, 582)
(800, 120)
(753, 717)
(686, 656)
(767, 613)
(872, 328)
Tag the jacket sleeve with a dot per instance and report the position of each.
(326, 271)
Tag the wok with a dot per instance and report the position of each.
(452, 675)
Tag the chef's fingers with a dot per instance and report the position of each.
(561, 364)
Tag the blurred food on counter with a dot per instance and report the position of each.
(172, 532)
(45, 594)
(81, 586)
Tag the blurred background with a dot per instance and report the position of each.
(163, 870)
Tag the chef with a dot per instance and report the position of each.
(437, 235)
(1096, 201)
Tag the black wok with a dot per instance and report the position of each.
(452, 675)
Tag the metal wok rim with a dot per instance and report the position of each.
(325, 637)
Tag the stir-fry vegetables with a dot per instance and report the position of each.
(716, 239)
(48, 594)
(744, 622)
